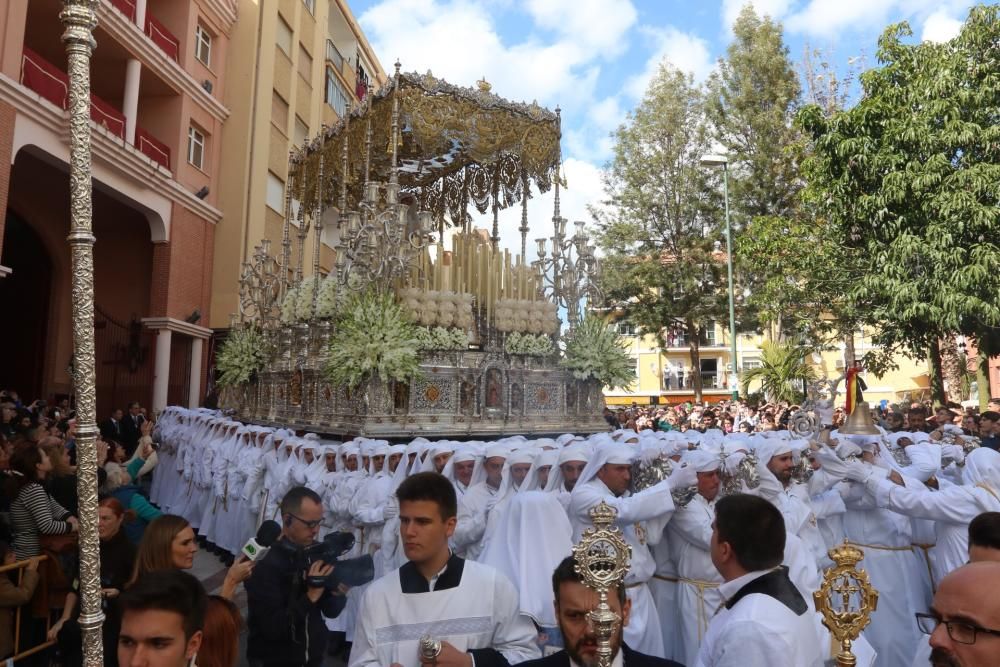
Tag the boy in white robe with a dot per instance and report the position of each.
(470, 608)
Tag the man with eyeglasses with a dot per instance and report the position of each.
(285, 614)
(964, 621)
(984, 547)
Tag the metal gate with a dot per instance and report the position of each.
(124, 355)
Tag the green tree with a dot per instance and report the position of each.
(782, 372)
(784, 257)
(750, 104)
(660, 219)
(909, 179)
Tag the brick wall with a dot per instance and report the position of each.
(182, 274)
(7, 115)
(182, 268)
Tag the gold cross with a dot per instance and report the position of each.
(844, 588)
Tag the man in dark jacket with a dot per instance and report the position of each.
(574, 601)
(285, 615)
(131, 428)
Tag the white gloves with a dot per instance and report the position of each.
(858, 471)
(682, 476)
(847, 449)
(391, 510)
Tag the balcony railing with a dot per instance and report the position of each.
(52, 84)
(334, 56)
(163, 38)
(152, 147)
(44, 78)
(108, 117)
(126, 7)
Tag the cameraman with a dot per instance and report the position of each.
(285, 614)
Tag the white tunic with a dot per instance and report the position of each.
(640, 516)
(895, 571)
(473, 511)
(759, 631)
(690, 535)
(480, 612)
(951, 508)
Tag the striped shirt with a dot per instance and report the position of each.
(34, 512)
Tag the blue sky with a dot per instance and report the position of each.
(594, 57)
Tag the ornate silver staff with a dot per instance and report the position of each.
(80, 18)
(602, 561)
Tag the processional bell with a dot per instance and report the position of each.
(859, 422)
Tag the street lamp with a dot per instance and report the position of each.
(723, 161)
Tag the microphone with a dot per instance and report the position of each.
(267, 535)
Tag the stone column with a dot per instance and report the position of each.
(161, 370)
(130, 100)
(194, 384)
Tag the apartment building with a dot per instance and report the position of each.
(158, 108)
(301, 65)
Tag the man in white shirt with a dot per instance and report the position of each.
(764, 621)
(470, 608)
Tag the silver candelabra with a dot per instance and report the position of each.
(570, 274)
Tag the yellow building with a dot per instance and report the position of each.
(665, 377)
(296, 66)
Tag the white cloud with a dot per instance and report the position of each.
(685, 51)
(940, 27)
(776, 9)
(600, 24)
(458, 40)
(591, 140)
(584, 188)
(823, 18)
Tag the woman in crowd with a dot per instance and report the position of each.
(13, 596)
(117, 564)
(220, 645)
(169, 542)
(61, 480)
(33, 511)
(120, 483)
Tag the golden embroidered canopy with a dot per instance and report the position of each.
(456, 146)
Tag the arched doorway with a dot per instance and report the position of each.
(24, 300)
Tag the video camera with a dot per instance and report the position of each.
(350, 572)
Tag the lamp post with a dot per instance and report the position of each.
(723, 161)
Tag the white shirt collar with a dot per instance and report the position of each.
(731, 588)
(432, 584)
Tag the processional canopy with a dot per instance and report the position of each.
(456, 146)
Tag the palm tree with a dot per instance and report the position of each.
(782, 371)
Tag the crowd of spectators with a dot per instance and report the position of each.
(39, 525)
(741, 416)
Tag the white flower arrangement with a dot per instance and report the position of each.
(326, 301)
(244, 352)
(595, 351)
(374, 337)
(439, 338)
(304, 301)
(521, 315)
(288, 305)
(440, 308)
(518, 343)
